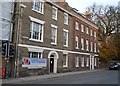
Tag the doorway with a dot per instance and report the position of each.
(51, 65)
(91, 62)
(53, 56)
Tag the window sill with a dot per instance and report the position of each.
(65, 66)
(38, 11)
(77, 29)
(77, 66)
(87, 50)
(77, 48)
(82, 49)
(82, 66)
(66, 23)
(65, 45)
(53, 44)
(25, 37)
(95, 51)
(35, 40)
(54, 19)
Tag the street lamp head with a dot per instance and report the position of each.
(22, 5)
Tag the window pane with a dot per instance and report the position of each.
(91, 46)
(65, 38)
(34, 55)
(54, 13)
(41, 6)
(41, 26)
(77, 42)
(64, 60)
(82, 28)
(87, 61)
(82, 62)
(31, 30)
(38, 5)
(91, 32)
(35, 30)
(40, 55)
(77, 61)
(77, 25)
(65, 19)
(82, 43)
(53, 35)
(87, 45)
(87, 32)
(94, 47)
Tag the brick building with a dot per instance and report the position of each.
(62, 36)
(84, 39)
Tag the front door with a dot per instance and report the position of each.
(51, 65)
(53, 56)
(92, 62)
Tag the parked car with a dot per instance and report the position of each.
(114, 66)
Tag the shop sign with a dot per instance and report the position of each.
(34, 62)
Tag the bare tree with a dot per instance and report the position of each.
(107, 18)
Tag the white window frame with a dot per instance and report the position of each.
(82, 62)
(95, 34)
(91, 32)
(95, 45)
(76, 42)
(54, 26)
(87, 62)
(33, 8)
(54, 8)
(64, 30)
(35, 52)
(82, 44)
(77, 61)
(40, 22)
(95, 61)
(65, 14)
(91, 46)
(87, 30)
(66, 63)
(76, 25)
(82, 28)
(87, 45)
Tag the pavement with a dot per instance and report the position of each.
(47, 76)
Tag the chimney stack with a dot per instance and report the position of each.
(88, 15)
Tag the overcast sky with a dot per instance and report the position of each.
(81, 5)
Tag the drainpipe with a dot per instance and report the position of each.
(20, 11)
